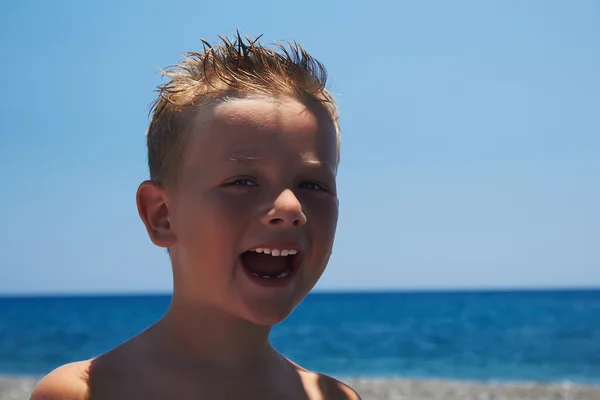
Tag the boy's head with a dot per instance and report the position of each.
(243, 148)
(231, 69)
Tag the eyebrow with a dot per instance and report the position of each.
(312, 163)
(315, 163)
(318, 164)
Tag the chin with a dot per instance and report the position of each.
(268, 315)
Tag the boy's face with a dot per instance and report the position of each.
(259, 174)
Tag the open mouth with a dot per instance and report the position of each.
(268, 263)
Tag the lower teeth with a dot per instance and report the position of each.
(281, 275)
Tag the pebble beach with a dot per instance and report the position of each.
(15, 388)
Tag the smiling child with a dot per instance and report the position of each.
(243, 151)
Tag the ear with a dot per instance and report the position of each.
(152, 207)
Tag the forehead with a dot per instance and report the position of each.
(264, 112)
(259, 126)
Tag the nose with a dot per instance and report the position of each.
(285, 211)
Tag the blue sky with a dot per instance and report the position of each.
(471, 138)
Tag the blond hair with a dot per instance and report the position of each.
(232, 67)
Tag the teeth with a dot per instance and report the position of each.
(276, 252)
(281, 275)
(284, 274)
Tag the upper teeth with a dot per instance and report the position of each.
(276, 252)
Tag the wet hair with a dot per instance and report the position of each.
(231, 68)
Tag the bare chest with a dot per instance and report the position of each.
(160, 388)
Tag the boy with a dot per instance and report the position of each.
(243, 149)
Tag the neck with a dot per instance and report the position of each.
(198, 334)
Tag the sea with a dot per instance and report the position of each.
(544, 336)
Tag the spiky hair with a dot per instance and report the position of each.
(236, 68)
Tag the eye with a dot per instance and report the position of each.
(242, 182)
(311, 186)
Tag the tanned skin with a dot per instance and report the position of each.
(257, 170)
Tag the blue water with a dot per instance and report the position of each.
(542, 336)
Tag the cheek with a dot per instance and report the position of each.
(325, 207)
(234, 210)
(210, 223)
(323, 221)
(322, 214)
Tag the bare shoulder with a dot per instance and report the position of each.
(68, 382)
(333, 389)
(327, 387)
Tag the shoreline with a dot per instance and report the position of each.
(434, 389)
(20, 387)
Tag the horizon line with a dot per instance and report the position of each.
(134, 293)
